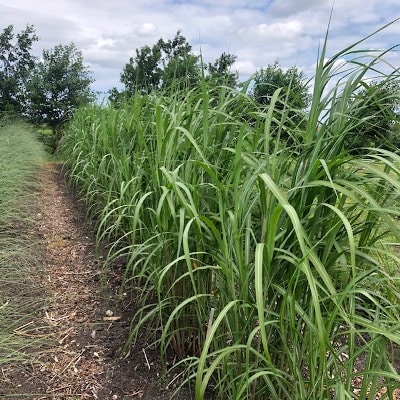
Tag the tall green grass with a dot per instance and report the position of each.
(20, 156)
(259, 260)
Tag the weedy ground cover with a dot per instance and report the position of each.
(257, 243)
(20, 156)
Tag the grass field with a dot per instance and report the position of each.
(259, 247)
(20, 156)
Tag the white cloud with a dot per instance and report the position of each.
(284, 8)
(147, 29)
(257, 31)
(245, 67)
(278, 31)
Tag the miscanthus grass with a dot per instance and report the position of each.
(20, 156)
(257, 244)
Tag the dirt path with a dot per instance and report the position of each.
(74, 366)
(84, 326)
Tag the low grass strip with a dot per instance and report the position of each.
(20, 156)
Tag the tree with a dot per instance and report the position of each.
(294, 94)
(220, 72)
(116, 97)
(374, 110)
(181, 67)
(143, 73)
(16, 62)
(59, 84)
(167, 65)
(170, 65)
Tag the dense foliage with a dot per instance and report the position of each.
(294, 96)
(50, 90)
(16, 62)
(220, 71)
(45, 91)
(262, 264)
(377, 116)
(171, 66)
(293, 82)
(59, 85)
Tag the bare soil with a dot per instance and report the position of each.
(83, 322)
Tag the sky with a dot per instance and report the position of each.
(258, 32)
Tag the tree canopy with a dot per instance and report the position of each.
(171, 65)
(16, 63)
(220, 71)
(180, 67)
(49, 90)
(59, 84)
(293, 98)
(143, 73)
(292, 81)
(44, 91)
(375, 112)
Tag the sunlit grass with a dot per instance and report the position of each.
(261, 261)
